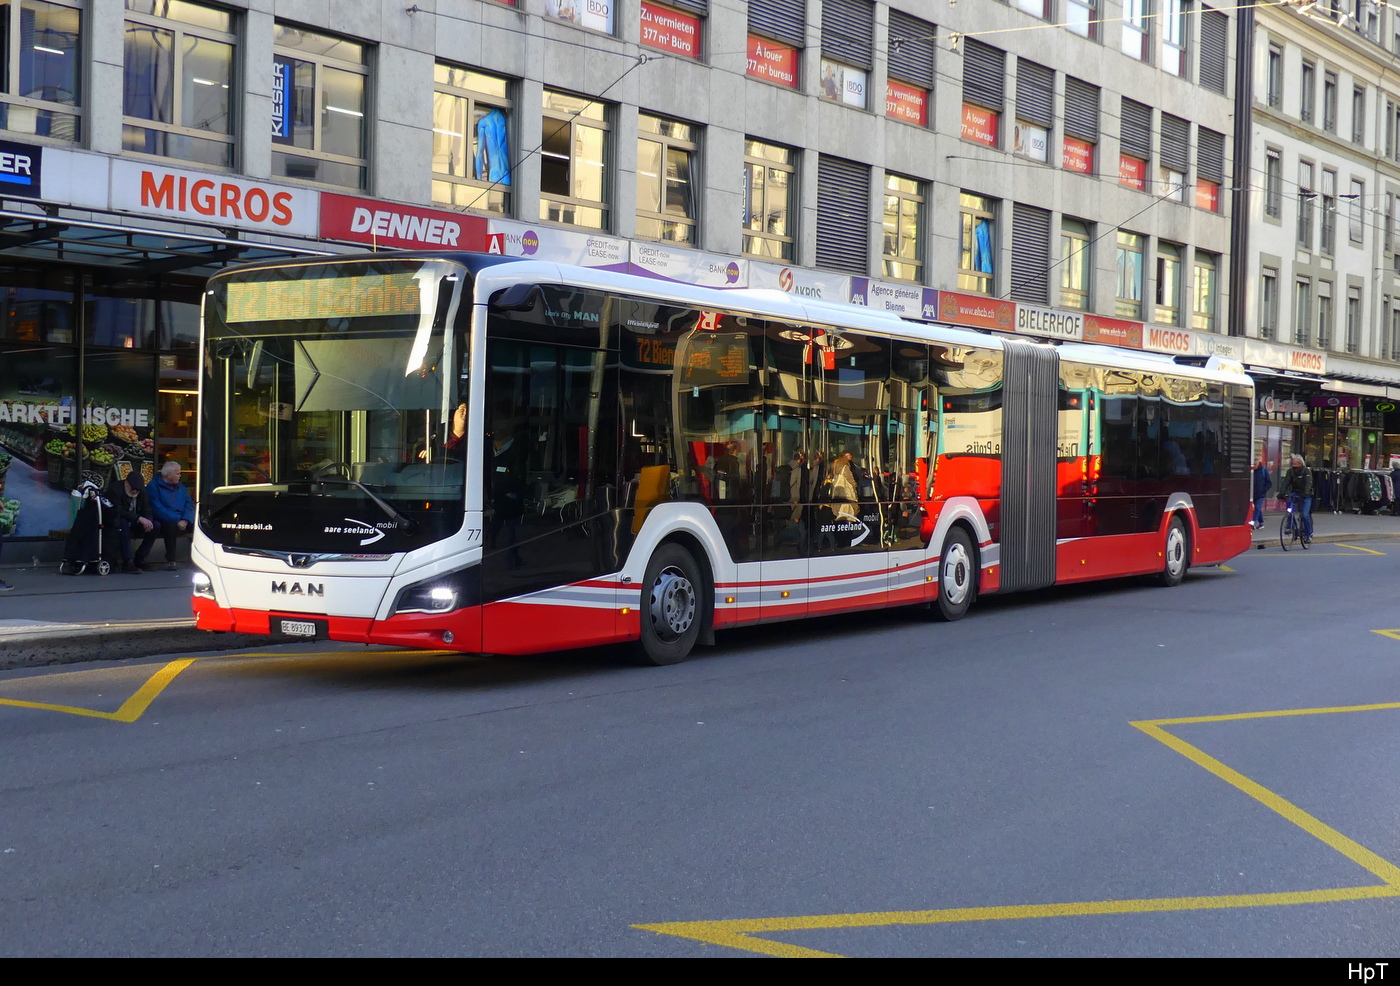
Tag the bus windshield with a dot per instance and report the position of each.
(330, 395)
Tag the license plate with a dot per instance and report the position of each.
(298, 628)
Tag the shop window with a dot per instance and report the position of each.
(1076, 264)
(1273, 182)
(1302, 311)
(977, 243)
(1306, 194)
(843, 215)
(984, 82)
(848, 36)
(472, 122)
(1173, 30)
(1081, 17)
(596, 16)
(902, 253)
(1308, 95)
(1205, 291)
(1081, 125)
(1358, 115)
(1168, 284)
(1356, 225)
(177, 78)
(1324, 314)
(1353, 320)
(1128, 303)
(318, 127)
(909, 87)
(666, 153)
(770, 189)
(1035, 97)
(1030, 255)
(1329, 102)
(777, 33)
(574, 155)
(42, 69)
(1268, 304)
(1329, 212)
(1215, 29)
(1135, 25)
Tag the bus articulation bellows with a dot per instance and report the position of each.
(507, 456)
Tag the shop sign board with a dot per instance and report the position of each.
(388, 224)
(1050, 322)
(978, 312)
(1113, 331)
(979, 125)
(688, 266)
(1178, 342)
(1334, 400)
(905, 300)
(21, 170)
(800, 283)
(906, 102)
(221, 199)
(74, 178)
(559, 245)
(1132, 172)
(771, 62)
(670, 30)
(1307, 361)
(1269, 405)
(1077, 155)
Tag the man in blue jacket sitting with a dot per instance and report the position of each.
(171, 509)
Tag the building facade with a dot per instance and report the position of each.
(1060, 168)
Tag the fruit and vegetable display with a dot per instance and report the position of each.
(9, 515)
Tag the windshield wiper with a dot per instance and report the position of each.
(238, 493)
(408, 526)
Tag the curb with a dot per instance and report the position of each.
(113, 642)
(1272, 541)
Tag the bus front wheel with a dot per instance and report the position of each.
(673, 600)
(957, 576)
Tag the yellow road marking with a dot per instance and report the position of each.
(1357, 547)
(1226, 568)
(134, 707)
(741, 933)
(131, 710)
(1393, 634)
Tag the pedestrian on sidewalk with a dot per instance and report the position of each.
(133, 517)
(173, 513)
(1298, 481)
(4, 586)
(1263, 482)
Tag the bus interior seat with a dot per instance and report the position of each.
(653, 483)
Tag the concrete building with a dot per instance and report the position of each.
(1061, 168)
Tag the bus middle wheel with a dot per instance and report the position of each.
(957, 576)
(674, 595)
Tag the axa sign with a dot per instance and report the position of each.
(218, 199)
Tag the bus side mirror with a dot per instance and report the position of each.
(516, 298)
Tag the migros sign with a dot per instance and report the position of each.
(225, 200)
(1171, 341)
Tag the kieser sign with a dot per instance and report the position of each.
(19, 169)
(218, 199)
(386, 224)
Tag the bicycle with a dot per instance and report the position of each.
(1290, 531)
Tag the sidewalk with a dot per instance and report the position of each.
(62, 619)
(59, 619)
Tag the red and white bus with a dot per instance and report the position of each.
(508, 456)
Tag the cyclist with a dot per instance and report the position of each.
(1297, 482)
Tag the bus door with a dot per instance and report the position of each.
(788, 514)
(849, 429)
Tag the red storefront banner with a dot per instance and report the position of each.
(906, 102)
(387, 224)
(1207, 195)
(978, 312)
(979, 124)
(771, 61)
(1112, 331)
(670, 30)
(1078, 155)
(1132, 172)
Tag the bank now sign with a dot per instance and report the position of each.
(222, 200)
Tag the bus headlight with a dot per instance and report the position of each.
(442, 593)
(202, 585)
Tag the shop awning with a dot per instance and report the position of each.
(141, 248)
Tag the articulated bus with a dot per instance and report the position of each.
(504, 456)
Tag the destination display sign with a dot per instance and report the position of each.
(347, 296)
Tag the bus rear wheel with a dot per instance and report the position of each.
(673, 599)
(957, 577)
(1177, 554)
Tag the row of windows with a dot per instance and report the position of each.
(1175, 291)
(1317, 196)
(1307, 106)
(1314, 317)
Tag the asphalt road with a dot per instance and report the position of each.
(864, 786)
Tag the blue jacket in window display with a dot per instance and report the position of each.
(492, 157)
